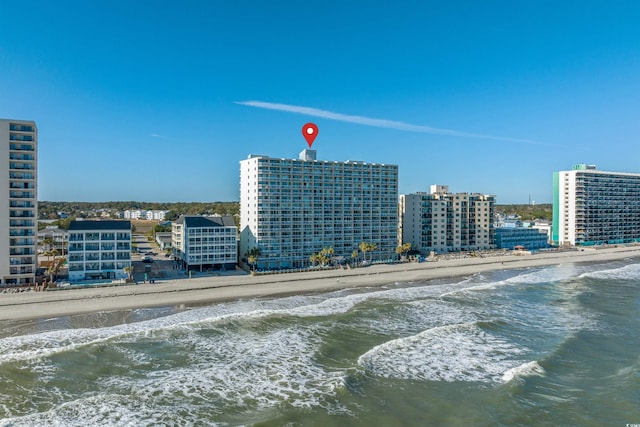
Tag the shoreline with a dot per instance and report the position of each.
(209, 290)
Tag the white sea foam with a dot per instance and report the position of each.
(460, 352)
(242, 369)
(527, 369)
(37, 346)
(414, 316)
(547, 274)
(627, 272)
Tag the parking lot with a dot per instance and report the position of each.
(156, 265)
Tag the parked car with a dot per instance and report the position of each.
(147, 259)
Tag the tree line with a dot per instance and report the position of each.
(51, 210)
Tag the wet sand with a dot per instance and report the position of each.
(50, 304)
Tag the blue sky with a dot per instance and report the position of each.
(159, 100)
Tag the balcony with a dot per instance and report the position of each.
(21, 242)
(19, 252)
(23, 157)
(21, 195)
(23, 214)
(21, 175)
(21, 128)
(15, 204)
(16, 137)
(21, 166)
(21, 261)
(21, 270)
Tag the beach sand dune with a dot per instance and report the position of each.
(34, 305)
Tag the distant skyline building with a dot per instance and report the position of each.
(293, 208)
(99, 249)
(203, 242)
(144, 214)
(19, 202)
(442, 222)
(595, 207)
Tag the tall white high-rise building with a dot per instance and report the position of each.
(595, 207)
(18, 202)
(440, 221)
(292, 208)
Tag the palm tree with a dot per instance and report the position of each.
(367, 247)
(129, 271)
(354, 255)
(314, 259)
(403, 249)
(252, 256)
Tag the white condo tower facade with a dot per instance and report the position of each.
(19, 202)
(292, 208)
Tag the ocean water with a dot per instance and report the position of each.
(545, 346)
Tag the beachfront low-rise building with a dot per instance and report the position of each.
(527, 238)
(53, 238)
(205, 242)
(593, 207)
(99, 249)
(442, 222)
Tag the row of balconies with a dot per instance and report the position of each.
(19, 137)
(23, 214)
(21, 157)
(21, 147)
(21, 204)
(22, 261)
(79, 247)
(20, 127)
(21, 232)
(21, 175)
(21, 166)
(22, 251)
(96, 237)
(96, 266)
(21, 195)
(21, 270)
(21, 223)
(21, 242)
(95, 256)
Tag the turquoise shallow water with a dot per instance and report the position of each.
(547, 346)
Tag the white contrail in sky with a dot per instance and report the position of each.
(368, 121)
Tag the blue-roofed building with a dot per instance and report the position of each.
(529, 238)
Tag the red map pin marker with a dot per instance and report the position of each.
(310, 131)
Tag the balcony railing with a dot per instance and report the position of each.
(24, 157)
(14, 137)
(21, 147)
(20, 175)
(18, 252)
(20, 128)
(14, 204)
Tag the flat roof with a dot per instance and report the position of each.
(99, 225)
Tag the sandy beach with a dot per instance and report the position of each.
(50, 304)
